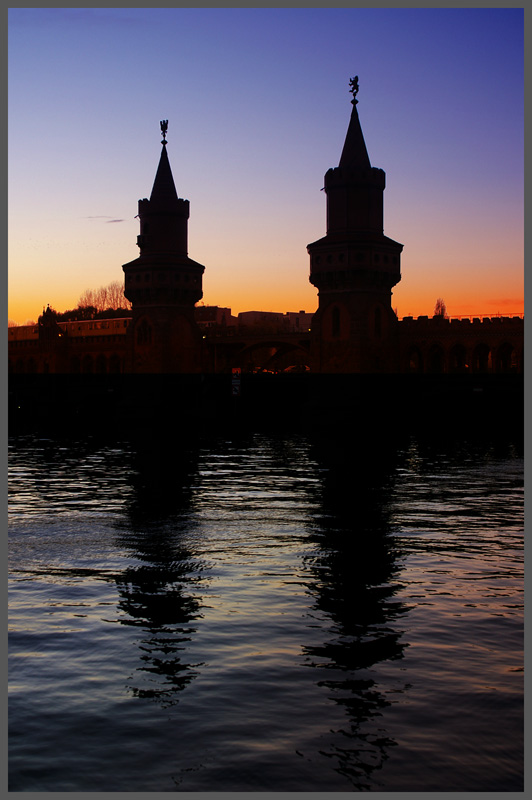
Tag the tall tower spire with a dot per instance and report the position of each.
(164, 217)
(164, 192)
(354, 153)
(354, 266)
(163, 283)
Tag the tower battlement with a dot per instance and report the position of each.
(179, 205)
(342, 176)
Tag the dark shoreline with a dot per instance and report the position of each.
(190, 403)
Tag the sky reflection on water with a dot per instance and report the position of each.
(265, 613)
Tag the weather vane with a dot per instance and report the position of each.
(353, 83)
(164, 128)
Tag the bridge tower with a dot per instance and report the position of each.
(354, 267)
(163, 283)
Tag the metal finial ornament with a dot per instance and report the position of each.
(164, 128)
(353, 83)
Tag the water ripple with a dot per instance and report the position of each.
(265, 612)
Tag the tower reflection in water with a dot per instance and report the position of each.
(348, 565)
(355, 576)
(256, 638)
(159, 594)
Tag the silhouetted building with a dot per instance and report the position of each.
(214, 317)
(163, 283)
(271, 321)
(354, 267)
(354, 331)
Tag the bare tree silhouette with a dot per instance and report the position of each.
(440, 309)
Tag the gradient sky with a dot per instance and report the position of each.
(258, 105)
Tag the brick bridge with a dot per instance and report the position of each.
(255, 351)
(443, 345)
(424, 345)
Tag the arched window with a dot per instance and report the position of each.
(335, 321)
(482, 358)
(144, 332)
(101, 363)
(436, 359)
(378, 323)
(458, 361)
(114, 363)
(415, 360)
(87, 364)
(506, 358)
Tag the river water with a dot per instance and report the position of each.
(266, 612)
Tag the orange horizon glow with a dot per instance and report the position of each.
(242, 283)
(251, 156)
(410, 304)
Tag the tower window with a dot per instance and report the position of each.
(378, 323)
(335, 321)
(144, 333)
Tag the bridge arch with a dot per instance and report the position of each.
(114, 363)
(87, 364)
(415, 359)
(101, 363)
(506, 358)
(436, 359)
(271, 355)
(482, 358)
(458, 358)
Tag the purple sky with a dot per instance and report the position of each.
(258, 105)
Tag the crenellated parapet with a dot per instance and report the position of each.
(425, 345)
(340, 176)
(468, 345)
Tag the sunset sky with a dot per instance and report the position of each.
(258, 105)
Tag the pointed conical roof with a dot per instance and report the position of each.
(354, 153)
(163, 192)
